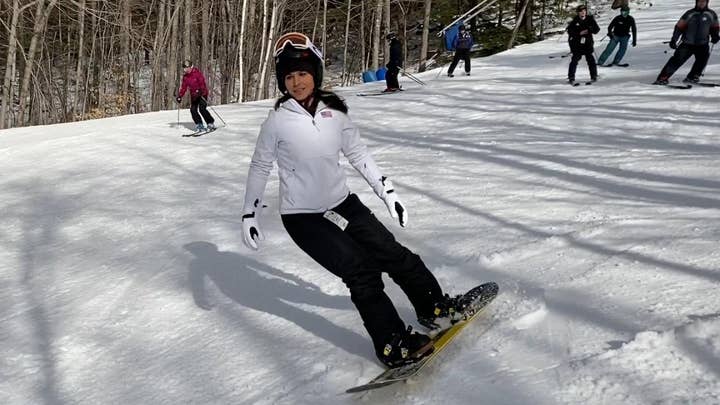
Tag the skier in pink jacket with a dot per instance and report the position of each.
(194, 83)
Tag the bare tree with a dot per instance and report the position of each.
(425, 34)
(376, 34)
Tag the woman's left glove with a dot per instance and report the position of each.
(251, 230)
(394, 206)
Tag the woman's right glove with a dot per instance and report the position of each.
(251, 231)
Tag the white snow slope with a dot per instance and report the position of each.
(595, 208)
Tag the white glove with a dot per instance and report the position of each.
(394, 206)
(251, 231)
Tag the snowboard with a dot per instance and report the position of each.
(479, 297)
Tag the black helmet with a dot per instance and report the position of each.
(580, 8)
(391, 36)
(625, 8)
(295, 52)
(461, 27)
(187, 63)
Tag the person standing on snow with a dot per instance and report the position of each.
(619, 33)
(395, 63)
(462, 44)
(696, 28)
(305, 133)
(580, 37)
(194, 82)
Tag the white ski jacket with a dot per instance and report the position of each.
(307, 149)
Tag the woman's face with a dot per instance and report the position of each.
(300, 84)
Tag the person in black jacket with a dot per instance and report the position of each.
(696, 28)
(394, 64)
(619, 33)
(580, 37)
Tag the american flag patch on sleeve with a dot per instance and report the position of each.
(326, 114)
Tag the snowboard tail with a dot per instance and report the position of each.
(480, 296)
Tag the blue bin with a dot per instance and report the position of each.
(380, 74)
(369, 76)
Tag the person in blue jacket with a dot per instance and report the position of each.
(462, 44)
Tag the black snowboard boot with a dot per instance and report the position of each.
(447, 312)
(405, 347)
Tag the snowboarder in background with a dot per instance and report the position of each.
(580, 37)
(194, 83)
(462, 44)
(696, 28)
(305, 133)
(395, 63)
(619, 33)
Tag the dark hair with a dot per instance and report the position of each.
(330, 99)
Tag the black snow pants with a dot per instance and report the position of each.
(200, 103)
(463, 54)
(391, 77)
(681, 55)
(589, 57)
(359, 255)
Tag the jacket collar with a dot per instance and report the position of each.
(293, 106)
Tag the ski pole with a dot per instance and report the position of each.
(213, 110)
(412, 77)
(440, 71)
(178, 104)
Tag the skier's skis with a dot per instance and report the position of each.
(617, 64)
(674, 86)
(560, 56)
(378, 93)
(199, 133)
(707, 84)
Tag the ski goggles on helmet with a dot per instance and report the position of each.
(298, 41)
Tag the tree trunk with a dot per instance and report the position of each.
(388, 29)
(41, 18)
(159, 82)
(362, 37)
(81, 58)
(518, 21)
(376, 34)
(425, 34)
(7, 89)
(187, 27)
(241, 53)
(346, 65)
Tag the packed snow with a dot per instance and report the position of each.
(124, 279)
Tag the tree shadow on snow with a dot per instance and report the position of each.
(258, 286)
(185, 125)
